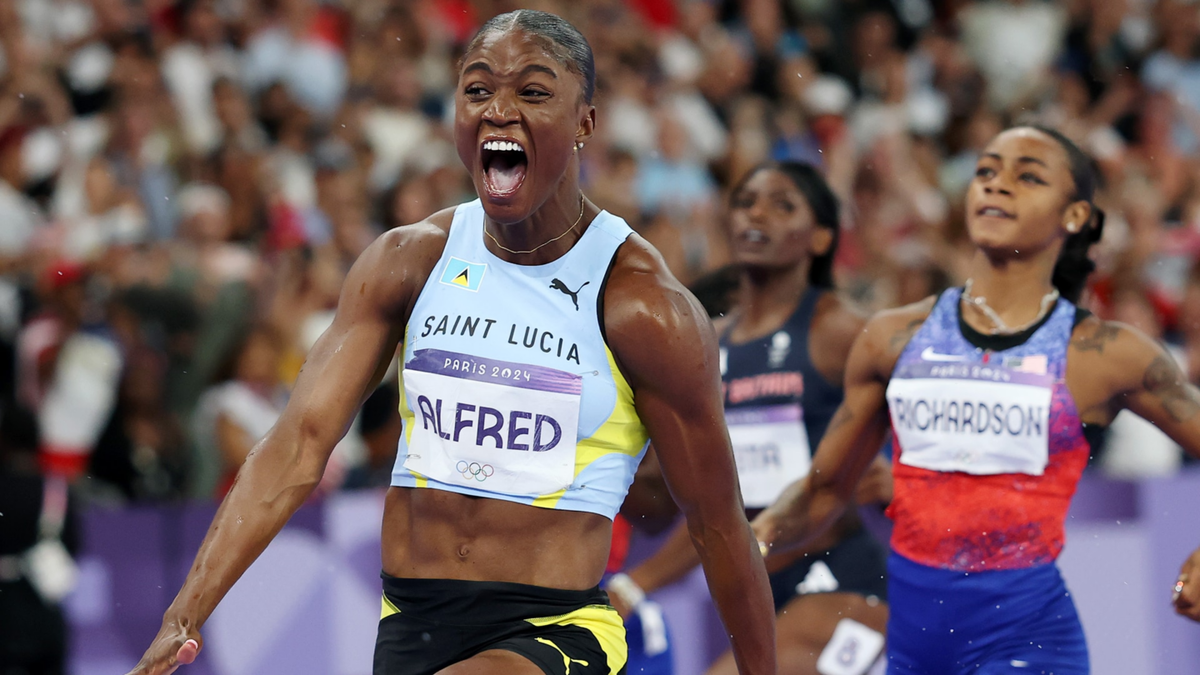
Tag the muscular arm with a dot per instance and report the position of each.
(810, 506)
(1114, 367)
(283, 469)
(1133, 372)
(834, 330)
(667, 350)
(1161, 393)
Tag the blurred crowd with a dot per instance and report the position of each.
(185, 183)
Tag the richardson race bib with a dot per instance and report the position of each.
(973, 418)
(494, 425)
(770, 447)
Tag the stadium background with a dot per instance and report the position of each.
(184, 183)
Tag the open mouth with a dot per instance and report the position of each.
(994, 212)
(504, 163)
(753, 236)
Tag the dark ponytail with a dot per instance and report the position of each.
(824, 206)
(1073, 266)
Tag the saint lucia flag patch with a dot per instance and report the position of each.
(463, 274)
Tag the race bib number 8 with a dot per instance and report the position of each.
(494, 425)
(770, 448)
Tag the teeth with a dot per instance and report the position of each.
(755, 236)
(503, 146)
(991, 211)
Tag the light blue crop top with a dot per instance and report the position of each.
(507, 388)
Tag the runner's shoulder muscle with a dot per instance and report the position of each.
(394, 268)
(884, 337)
(651, 320)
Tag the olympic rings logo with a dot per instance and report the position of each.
(479, 472)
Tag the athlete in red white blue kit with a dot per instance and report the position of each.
(994, 392)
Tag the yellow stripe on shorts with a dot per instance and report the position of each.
(388, 609)
(601, 621)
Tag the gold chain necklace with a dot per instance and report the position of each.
(548, 241)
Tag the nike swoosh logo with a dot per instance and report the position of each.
(930, 355)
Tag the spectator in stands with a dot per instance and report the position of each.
(238, 411)
(68, 369)
(199, 140)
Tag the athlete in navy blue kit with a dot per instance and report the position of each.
(995, 393)
(543, 344)
(783, 352)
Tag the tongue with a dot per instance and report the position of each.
(505, 179)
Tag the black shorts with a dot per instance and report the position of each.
(429, 624)
(856, 564)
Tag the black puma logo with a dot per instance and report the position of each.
(560, 286)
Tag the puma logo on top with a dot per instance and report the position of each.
(558, 285)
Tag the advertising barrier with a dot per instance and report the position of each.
(311, 602)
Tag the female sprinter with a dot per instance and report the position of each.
(993, 391)
(542, 344)
(783, 356)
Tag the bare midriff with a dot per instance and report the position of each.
(432, 534)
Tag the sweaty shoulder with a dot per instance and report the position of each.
(887, 333)
(394, 268)
(646, 309)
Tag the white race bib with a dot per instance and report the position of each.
(770, 447)
(852, 650)
(973, 418)
(502, 427)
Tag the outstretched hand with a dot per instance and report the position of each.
(1186, 595)
(172, 647)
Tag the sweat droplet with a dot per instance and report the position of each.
(240, 520)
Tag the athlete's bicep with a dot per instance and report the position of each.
(857, 429)
(808, 507)
(1157, 389)
(669, 354)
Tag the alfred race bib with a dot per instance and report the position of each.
(974, 418)
(770, 447)
(493, 425)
